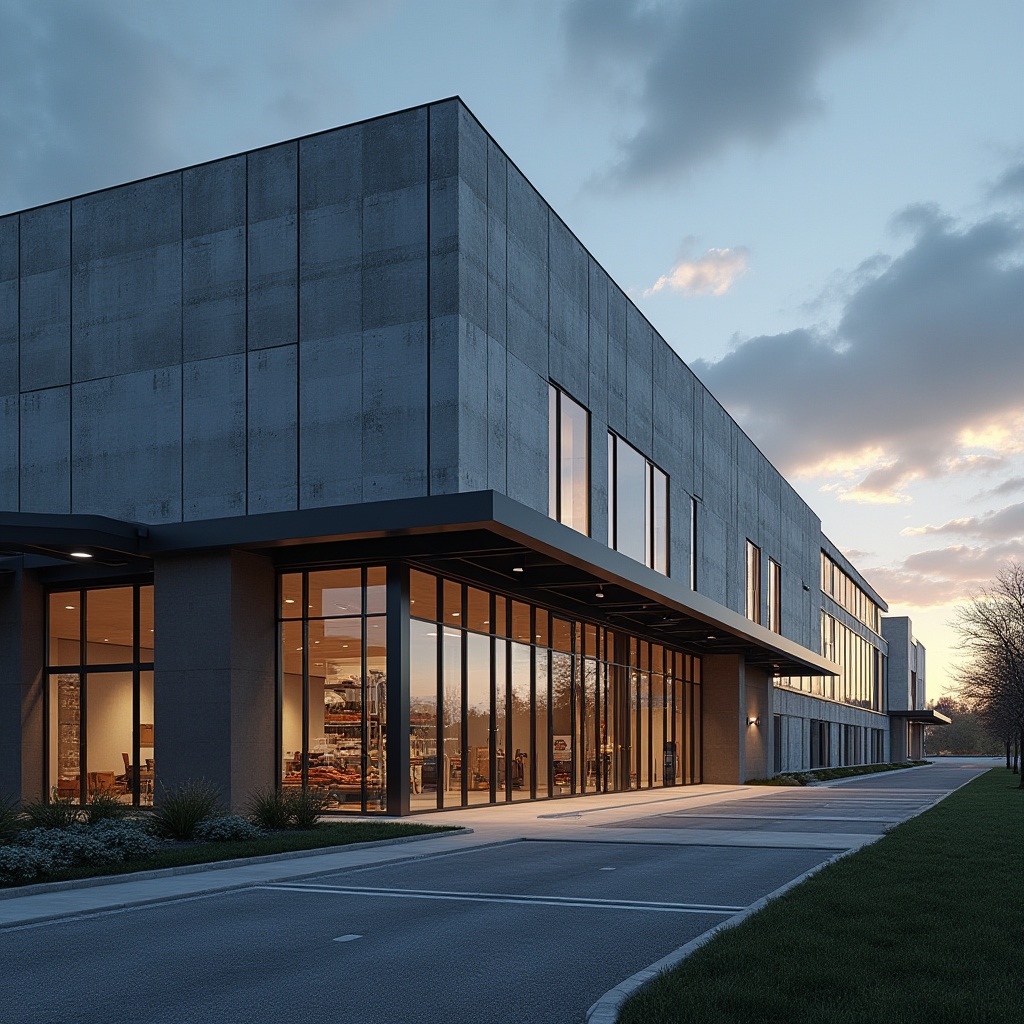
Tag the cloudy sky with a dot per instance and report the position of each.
(820, 205)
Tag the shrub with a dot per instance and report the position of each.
(22, 864)
(181, 809)
(55, 813)
(306, 806)
(45, 851)
(270, 809)
(227, 828)
(10, 820)
(105, 806)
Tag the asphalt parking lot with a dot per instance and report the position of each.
(531, 917)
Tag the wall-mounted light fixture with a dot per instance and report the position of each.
(753, 721)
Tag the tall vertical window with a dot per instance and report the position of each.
(569, 461)
(753, 582)
(774, 596)
(637, 506)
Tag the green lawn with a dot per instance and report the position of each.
(342, 833)
(926, 925)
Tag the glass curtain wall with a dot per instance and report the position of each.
(333, 686)
(510, 702)
(99, 693)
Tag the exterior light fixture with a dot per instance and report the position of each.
(80, 554)
(711, 636)
(753, 721)
(600, 592)
(519, 568)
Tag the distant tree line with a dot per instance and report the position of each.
(991, 676)
(968, 734)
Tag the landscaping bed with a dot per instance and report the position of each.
(57, 840)
(808, 778)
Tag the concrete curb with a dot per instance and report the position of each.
(606, 1009)
(41, 888)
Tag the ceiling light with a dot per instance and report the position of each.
(600, 592)
(70, 607)
(711, 636)
(289, 600)
(80, 554)
(518, 568)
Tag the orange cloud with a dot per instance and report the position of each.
(711, 274)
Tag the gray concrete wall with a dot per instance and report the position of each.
(214, 688)
(22, 613)
(896, 629)
(372, 312)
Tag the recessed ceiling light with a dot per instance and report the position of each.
(80, 554)
(518, 568)
(289, 600)
(455, 615)
(70, 607)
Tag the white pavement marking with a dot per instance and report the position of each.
(346, 938)
(494, 897)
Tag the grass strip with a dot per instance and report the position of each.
(926, 925)
(343, 833)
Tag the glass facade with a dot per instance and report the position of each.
(534, 705)
(99, 694)
(333, 685)
(841, 588)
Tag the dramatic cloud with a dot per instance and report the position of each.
(942, 576)
(1010, 183)
(919, 379)
(707, 75)
(96, 93)
(710, 274)
(999, 525)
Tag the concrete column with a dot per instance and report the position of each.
(398, 699)
(725, 724)
(758, 749)
(22, 619)
(215, 692)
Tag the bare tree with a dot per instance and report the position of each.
(991, 628)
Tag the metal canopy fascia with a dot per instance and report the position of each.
(481, 517)
(927, 716)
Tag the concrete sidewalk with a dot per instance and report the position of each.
(663, 816)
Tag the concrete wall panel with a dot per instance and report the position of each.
(46, 297)
(9, 305)
(497, 242)
(9, 444)
(46, 450)
(126, 279)
(272, 476)
(639, 381)
(394, 426)
(213, 437)
(272, 204)
(569, 290)
(497, 416)
(126, 446)
(445, 429)
(527, 270)
(214, 259)
(330, 422)
(527, 419)
(617, 360)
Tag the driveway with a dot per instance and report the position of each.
(531, 918)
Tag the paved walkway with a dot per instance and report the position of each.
(837, 817)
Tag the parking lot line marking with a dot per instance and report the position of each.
(347, 938)
(584, 903)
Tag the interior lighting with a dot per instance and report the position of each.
(80, 554)
(600, 592)
(711, 636)
(289, 600)
(518, 568)
(70, 607)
